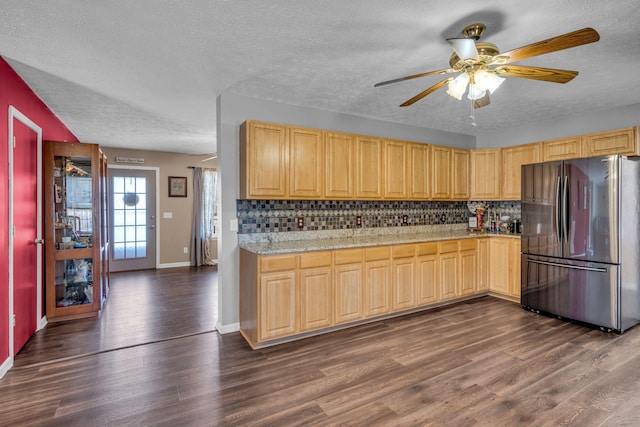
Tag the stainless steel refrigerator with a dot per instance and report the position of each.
(581, 242)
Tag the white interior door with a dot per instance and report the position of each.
(132, 219)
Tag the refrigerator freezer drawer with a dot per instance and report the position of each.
(583, 291)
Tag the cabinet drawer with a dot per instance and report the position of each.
(277, 263)
(315, 259)
(348, 256)
(377, 254)
(427, 248)
(468, 244)
(448, 246)
(404, 251)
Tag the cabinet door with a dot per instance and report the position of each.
(263, 160)
(483, 265)
(441, 172)
(562, 149)
(486, 174)
(622, 141)
(340, 166)
(427, 279)
(419, 172)
(403, 283)
(316, 298)
(306, 163)
(515, 261)
(348, 292)
(370, 167)
(377, 288)
(278, 314)
(460, 169)
(499, 274)
(449, 273)
(468, 272)
(512, 160)
(396, 169)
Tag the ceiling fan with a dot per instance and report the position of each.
(481, 67)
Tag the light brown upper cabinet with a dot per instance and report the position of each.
(460, 168)
(441, 158)
(512, 160)
(486, 167)
(396, 169)
(622, 141)
(306, 166)
(450, 173)
(562, 149)
(340, 166)
(264, 152)
(370, 167)
(419, 171)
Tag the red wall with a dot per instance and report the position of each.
(14, 91)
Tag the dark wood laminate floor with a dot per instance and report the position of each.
(143, 306)
(485, 362)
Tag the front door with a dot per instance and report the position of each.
(26, 253)
(132, 219)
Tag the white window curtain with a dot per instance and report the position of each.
(205, 243)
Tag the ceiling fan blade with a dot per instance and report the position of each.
(415, 76)
(554, 44)
(482, 102)
(535, 73)
(424, 93)
(464, 48)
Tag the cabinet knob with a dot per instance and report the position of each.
(38, 242)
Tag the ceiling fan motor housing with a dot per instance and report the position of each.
(486, 53)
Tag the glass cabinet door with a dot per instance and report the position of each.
(74, 282)
(73, 198)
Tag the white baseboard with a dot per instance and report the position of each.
(227, 329)
(42, 322)
(175, 264)
(6, 365)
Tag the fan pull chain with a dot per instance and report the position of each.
(472, 117)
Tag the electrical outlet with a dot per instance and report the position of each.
(300, 222)
(443, 219)
(358, 221)
(405, 219)
(185, 250)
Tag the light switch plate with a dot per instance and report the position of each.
(233, 224)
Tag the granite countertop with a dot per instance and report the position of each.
(305, 245)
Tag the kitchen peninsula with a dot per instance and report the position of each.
(296, 288)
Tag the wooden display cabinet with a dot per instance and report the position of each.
(75, 212)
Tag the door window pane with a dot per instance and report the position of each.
(129, 217)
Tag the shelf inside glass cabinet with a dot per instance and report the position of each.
(74, 282)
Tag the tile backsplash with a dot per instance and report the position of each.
(272, 216)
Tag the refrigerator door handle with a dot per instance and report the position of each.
(574, 267)
(558, 216)
(565, 209)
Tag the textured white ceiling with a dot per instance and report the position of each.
(146, 73)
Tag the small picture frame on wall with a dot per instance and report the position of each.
(177, 186)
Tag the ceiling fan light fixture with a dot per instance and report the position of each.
(458, 86)
(476, 92)
(487, 81)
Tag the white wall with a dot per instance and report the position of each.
(232, 111)
(616, 118)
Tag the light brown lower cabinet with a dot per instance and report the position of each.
(316, 291)
(286, 296)
(504, 267)
(348, 282)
